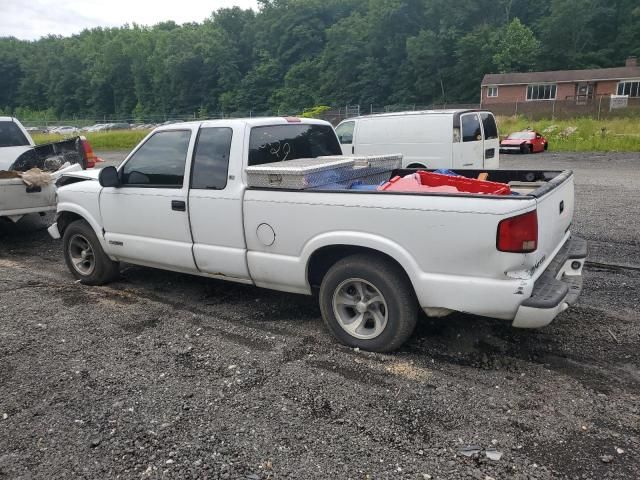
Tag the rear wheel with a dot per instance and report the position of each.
(526, 148)
(368, 302)
(84, 256)
(546, 146)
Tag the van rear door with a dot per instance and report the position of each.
(491, 145)
(469, 151)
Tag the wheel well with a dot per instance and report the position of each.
(64, 219)
(416, 165)
(324, 258)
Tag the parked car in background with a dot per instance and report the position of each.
(526, 141)
(66, 130)
(427, 139)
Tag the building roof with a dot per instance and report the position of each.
(560, 76)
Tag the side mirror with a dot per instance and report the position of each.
(109, 177)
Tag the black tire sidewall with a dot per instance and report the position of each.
(105, 268)
(394, 286)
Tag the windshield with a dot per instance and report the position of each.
(11, 135)
(521, 136)
(278, 143)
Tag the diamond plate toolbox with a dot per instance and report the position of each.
(301, 173)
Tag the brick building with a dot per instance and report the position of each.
(579, 85)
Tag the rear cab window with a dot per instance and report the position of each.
(279, 143)
(11, 135)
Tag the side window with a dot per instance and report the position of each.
(489, 125)
(471, 128)
(160, 161)
(345, 132)
(211, 160)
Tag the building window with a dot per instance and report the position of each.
(631, 89)
(541, 92)
(492, 91)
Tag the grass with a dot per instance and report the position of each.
(115, 140)
(611, 135)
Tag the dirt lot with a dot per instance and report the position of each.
(163, 375)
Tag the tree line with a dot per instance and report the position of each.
(292, 54)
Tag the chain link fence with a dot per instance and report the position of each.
(600, 107)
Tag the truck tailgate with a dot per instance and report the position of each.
(555, 205)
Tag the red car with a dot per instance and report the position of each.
(526, 141)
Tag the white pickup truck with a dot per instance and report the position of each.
(180, 202)
(18, 154)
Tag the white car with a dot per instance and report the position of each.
(67, 130)
(180, 201)
(436, 139)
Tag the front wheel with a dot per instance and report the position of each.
(84, 256)
(526, 149)
(368, 302)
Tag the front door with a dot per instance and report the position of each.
(345, 135)
(468, 152)
(146, 220)
(215, 204)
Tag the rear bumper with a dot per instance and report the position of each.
(510, 148)
(556, 289)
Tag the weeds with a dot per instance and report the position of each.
(611, 135)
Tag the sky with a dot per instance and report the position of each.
(32, 19)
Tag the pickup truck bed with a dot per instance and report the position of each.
(374, 257)
(18, 154)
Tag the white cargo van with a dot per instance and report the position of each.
(430, 139)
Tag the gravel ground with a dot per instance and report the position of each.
(163, 375)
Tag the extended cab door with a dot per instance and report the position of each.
(215, 203)
(468, 152)
(145, 220)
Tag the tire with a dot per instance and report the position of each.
(93, 267)
(387, 323)
(546, 146)
(526, 149)
(416, 165)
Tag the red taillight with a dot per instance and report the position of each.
(88, 153)
(518, 234)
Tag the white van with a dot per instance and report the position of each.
(429, 139)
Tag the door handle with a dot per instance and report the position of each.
(178, 205)
(353, 149)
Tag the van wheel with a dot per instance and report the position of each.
(416, 165)
(368, 302)
(84, 256)
(525, 148)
